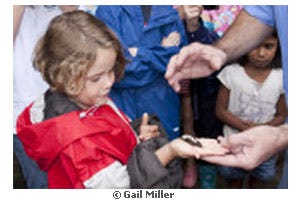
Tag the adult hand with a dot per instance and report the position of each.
(251, 147)
(180, 148)
(194, 61)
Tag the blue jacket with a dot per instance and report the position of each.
(151, 59)
(143, 87)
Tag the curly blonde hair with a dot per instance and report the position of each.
(68, 49)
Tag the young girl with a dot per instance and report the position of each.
(252, 94)
(75, 132)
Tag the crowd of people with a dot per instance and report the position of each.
(131, 96)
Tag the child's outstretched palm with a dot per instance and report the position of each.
(209, 147)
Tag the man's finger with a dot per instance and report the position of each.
(175, 81)
(229, 160)
(171, 67)
(182, 56)
(239, 140)
(176, 62)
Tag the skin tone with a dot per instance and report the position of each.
(68, 8)
(178, 147)
(257, 68)
(250, 148)
(18, 14)
(191, 16)
(99, 80)
(185, 65)
(147, 131)
(173, 39)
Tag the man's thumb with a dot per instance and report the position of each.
(239, 140)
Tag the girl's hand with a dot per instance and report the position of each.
(180, 148)
(249, 124)
(147, 131)
(209, 147)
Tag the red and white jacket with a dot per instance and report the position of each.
(94, 148)
(79, 149)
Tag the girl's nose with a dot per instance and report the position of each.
(261, 51)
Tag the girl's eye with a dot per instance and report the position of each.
(95, 79)
(101, 76)
(269, 46)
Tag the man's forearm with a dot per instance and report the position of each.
(243, 35)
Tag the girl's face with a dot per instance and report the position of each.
(99, 79)
(263, 55)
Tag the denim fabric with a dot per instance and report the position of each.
(265, 172)
(283, 184)
(207, 176)
(34, 176)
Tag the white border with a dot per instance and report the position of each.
(6, 131)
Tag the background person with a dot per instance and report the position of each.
(249, 29)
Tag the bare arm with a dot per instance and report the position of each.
(18, 14)
(226, 116)
(281, 113)
(180, 148)
(187, 114)
(198, 60)
(244, 34)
